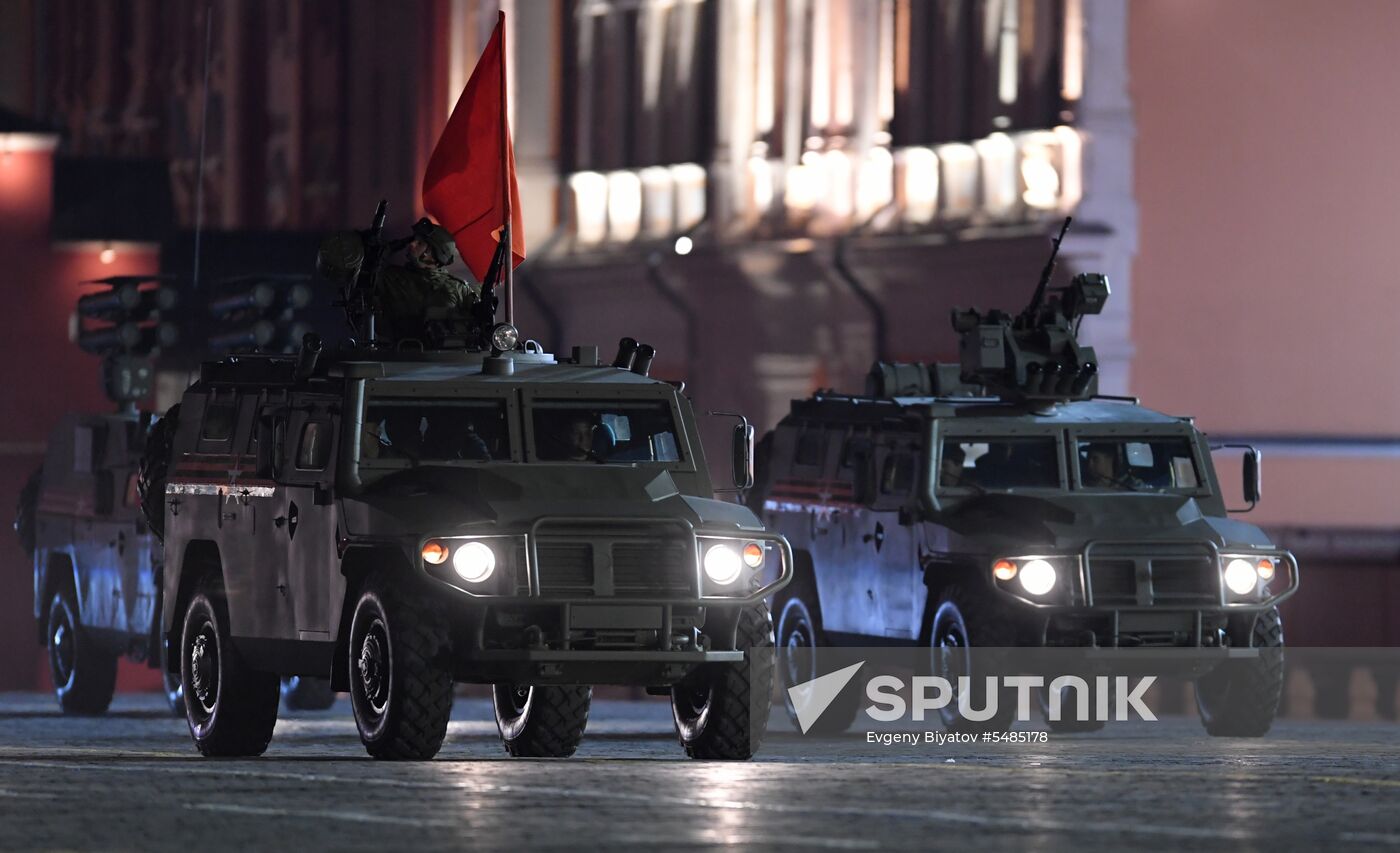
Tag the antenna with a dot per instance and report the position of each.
(203, 131)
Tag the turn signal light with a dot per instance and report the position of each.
(1266, 569)
(753, 555)
(1004, 570)
(434, 553)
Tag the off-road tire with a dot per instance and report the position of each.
(543, 721)
(799, 638)
(155, 468)
(969, 614)
(721, 710)
(402, 695)
(84, 674)
(26, 511)
(1240, 698)
(305, 693)
(231, 708)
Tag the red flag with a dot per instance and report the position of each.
(465, 186)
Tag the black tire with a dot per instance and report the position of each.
(799, 660)
(1240, 698)
(84, 674)
(231, 708)
(155, 466)
(721, 710)
(174, 693)
(170, 681)
(303, 693)
(400, 683)
(27, 510)
(964, 621)
(541, 721)
(1068, 705)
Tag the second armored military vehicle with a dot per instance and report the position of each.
(1001, 502)
(401, 522)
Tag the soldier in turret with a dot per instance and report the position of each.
(420, 294)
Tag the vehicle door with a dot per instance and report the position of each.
(301, 537)
(848, 574)
(229, 505)
(891, 537)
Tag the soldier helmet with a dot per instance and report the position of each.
(437, 238)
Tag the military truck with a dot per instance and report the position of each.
(1001, 502)
(401, 515)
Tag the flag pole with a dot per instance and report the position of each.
(508, 271)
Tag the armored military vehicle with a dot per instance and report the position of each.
(399, 518)
(1001, 502)
(97, 566)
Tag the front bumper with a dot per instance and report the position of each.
(586, 666)
(613, 560)
(1142, 577)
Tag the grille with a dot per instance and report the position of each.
(1187, 580)
(652, 568)
(1114, 581)
(1175, 580)
(565, 567)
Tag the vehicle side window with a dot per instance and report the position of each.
(811, 445)
(315, 448)
(218, 423)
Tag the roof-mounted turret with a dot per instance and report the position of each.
(1035, 356)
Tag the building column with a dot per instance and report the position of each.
(1106, 234)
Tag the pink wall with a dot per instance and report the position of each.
(1266, 292)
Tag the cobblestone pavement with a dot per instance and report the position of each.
(132, 781)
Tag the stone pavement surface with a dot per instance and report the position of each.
(132, 781)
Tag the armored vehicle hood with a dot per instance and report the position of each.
(442, 500)
(1068, 522)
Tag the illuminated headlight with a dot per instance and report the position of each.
(723, 564)
(504, 337)
(474, 562)
(1037, 576)
(1241, 576)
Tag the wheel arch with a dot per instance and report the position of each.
(938, 576)
(356, 565)
(201, 557)
(59, 572)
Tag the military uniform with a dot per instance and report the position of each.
(406, 294)
(422, 300)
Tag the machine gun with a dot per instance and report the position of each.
(1035, 356)
(354, 260)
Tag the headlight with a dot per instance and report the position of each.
(1037, 576)
(474, 562)
(504, 337)
(1241, 577)
(723, 564)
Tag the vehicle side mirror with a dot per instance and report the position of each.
(743, 455)
(1253, 483)
(742, 451)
